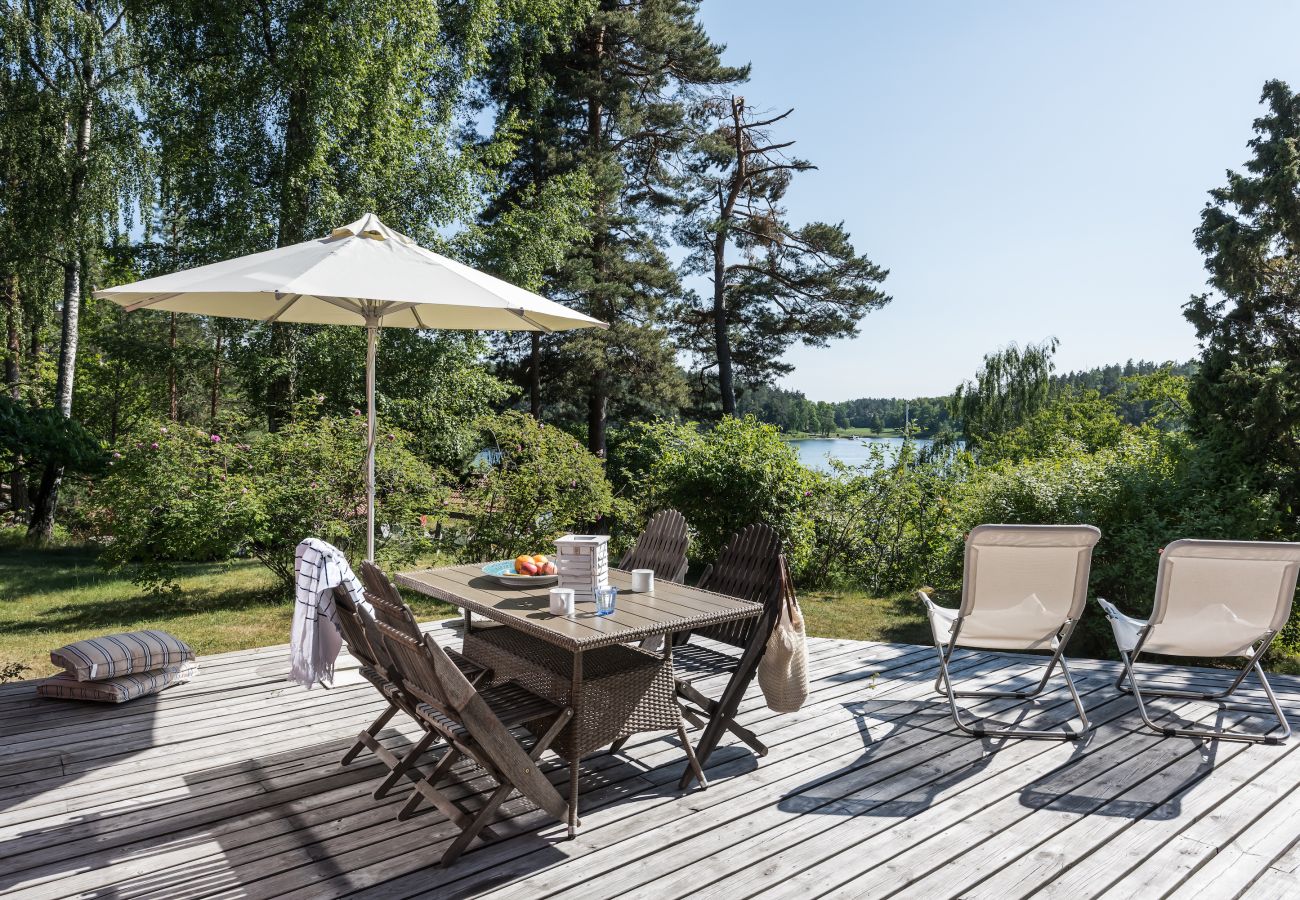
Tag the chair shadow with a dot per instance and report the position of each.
(854, 791)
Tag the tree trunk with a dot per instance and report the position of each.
(597, 404)
(295, 209)
(13, 378)
(721, 335)
(216, 378)
(173, 411)
(535, 375)
(41, 527)
(597, 399)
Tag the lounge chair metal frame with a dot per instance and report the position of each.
(1079, 539)
(1252, 664)
(943, 684)
(1214, 599)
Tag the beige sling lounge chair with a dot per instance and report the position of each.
(1214, 599)
(1024, 588)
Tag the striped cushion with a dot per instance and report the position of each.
(121, 654)
(116, 690)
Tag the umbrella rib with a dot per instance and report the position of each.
(524, 315)
(281, 311)
(141, 304)
(415, 311)
(350, 305)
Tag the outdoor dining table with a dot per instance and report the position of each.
(586, 661)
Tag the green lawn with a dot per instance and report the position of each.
(49, 597)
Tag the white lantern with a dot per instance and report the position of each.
(583, 562)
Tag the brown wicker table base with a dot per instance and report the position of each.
(614, 691)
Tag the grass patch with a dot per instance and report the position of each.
(52, 596)
(855, 616)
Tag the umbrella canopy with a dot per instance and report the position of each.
(361, 274)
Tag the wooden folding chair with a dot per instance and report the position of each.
(661, 547)
(475, 724)
(368, 648)
(751, 567)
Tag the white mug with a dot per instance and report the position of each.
(643, 581)
(562, 601)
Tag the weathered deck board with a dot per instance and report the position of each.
(231, 786)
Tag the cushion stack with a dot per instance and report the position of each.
(119, 667)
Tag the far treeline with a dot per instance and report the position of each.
(933, 417)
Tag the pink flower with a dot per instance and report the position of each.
(216, 439)
(243, 490)
(314, 485)
(116, 455)
(163, 429)
(356, 412)
(392, 437)
(153, 446)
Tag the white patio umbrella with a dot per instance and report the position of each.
(361, 274)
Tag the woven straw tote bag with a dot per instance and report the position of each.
(783, 670)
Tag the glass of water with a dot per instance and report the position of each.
(605, 600)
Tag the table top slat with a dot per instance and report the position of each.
(671, 608)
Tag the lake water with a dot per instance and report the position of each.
(813, 452)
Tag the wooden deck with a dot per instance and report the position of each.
(231, 787)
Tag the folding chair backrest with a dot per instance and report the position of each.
(434, 678)
(749, 567)
(661, 547)
(1016, 567)
(354, 632)
(416, 664)
(1216, 598)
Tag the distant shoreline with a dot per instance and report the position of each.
(843, 433)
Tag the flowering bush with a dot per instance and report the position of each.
(544, 483)
(175, 494)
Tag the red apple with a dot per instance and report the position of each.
(549, 569)
(526, 568)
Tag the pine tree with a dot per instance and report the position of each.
(1245, 398)
(611, 102)
(773, 283)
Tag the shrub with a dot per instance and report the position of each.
(738, 473)
(543, 484)
(1150, 488)
(888, 525)
(180, 494)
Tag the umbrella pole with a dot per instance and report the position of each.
(372, 336)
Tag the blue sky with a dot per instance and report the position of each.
(1024, 169)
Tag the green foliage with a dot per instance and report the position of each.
(183, 494)
(610, 102)
(1075, 422)
(891, 524)
(1011, 386)
(41, 436)
(732, 475)
(543, 484)
(1146, 489)
(1245, 398)
(774, 283)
